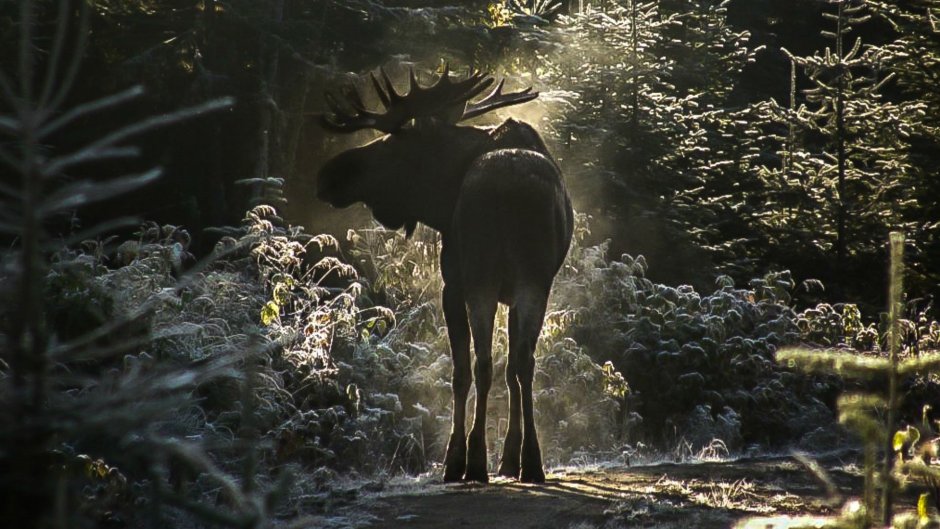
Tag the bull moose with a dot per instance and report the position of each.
(499, 201)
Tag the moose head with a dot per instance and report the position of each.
(400, 174)
(500, 203)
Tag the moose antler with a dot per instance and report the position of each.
(497, 99)
(445, 99)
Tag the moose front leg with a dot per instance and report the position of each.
(458, 330)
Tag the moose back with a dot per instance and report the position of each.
(500, 204)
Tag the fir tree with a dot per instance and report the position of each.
(847, 149)
(914, 59)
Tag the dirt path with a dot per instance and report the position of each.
(663, 496)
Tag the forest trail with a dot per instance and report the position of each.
(702, 495)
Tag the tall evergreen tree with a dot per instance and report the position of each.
(622, 118)
(710, 198)
(914, 59)
(708, 51)
(654, 80)
(860, 162)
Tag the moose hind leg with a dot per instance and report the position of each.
(512, 446)
(458, 330)
(482, 312)
(531, 314)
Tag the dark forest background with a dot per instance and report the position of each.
(737, 167)
(710, 137)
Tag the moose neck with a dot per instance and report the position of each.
(430, 178)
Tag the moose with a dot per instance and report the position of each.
(498, 199)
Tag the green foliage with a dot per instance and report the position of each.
(687, 355)
(657, 131)
(499, 13)
(865, 138)
(270, 312)
(614, 383)
(874, 416)
(649, 134)
(913, 58)
(612, 79)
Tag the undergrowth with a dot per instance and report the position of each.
(348, 370)
(699, 366)
(894, 458)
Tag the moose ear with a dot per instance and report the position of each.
(410, 228)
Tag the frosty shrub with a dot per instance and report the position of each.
(328, 371)
(699, 366)
(894, 457)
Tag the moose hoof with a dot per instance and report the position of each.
(452, 474)
(476, 470)
(454, 469)
(508, 471)
(532, 476)
(477, 474)
(455, 460)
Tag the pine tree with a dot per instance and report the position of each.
(621, 117)
(795, 196)
(711, 199)
(914, 58)
(709, 52)
(859, 170)
(656, 82)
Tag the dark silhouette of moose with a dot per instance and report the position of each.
(500, 204)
